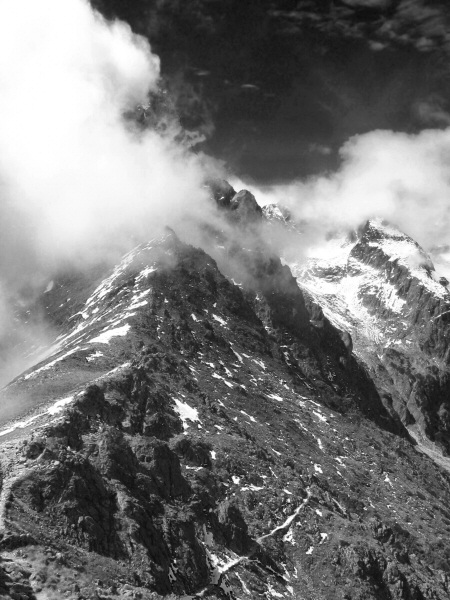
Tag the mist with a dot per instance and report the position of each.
(80, 180)
(77, 178)
(401, 178)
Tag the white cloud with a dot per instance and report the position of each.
(78, 181)
(402, 178)
(76, 178)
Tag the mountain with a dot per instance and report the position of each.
(383, 289)
(208, 425)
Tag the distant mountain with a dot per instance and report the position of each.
(383, 289)
(208, 426)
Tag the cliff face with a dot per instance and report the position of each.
(206, 432)
(383, 289)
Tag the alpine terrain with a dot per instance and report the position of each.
(213, 422)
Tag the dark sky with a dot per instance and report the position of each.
(277, 87)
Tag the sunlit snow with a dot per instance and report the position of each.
(186, 412)
(219, 319)
(59, 405)
(94, 355)
(106, 336)
(275, 397)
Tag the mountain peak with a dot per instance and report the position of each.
(192, 434)
(401, 250)
(244, 205)
(381, 287)
(221, 191)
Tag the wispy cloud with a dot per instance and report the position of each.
(402, 178)
(79, 181)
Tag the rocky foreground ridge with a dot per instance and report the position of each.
(203, 429)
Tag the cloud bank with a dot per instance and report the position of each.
(80, 181)
(76, 177)
(404, 179)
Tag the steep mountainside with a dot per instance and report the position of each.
(383, 289)
(201, 429)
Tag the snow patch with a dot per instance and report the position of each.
(388, 481)
(93, 356)
(55, 408)
(227, 383)
(275, 397)
(272, 592)
(259, 363)
(106, 336)
(249, 416)
(185, 412)
(320, 416)
(289, 537)
(238, 356)
(59, 405)
(244, 586)
(145, 273)
(219, 319)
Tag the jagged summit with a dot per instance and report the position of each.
(202, 429)
(244, 205)
(403, 251)
(276, 212)
(241, 207)
(383, 289)
(221, 191)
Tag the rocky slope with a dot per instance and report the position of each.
(383, 289)
(201, 429)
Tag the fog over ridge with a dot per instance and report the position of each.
(76, 176)
(399, 177)
(80, 182)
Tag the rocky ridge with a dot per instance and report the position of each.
(383, 289)
(201, 429)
